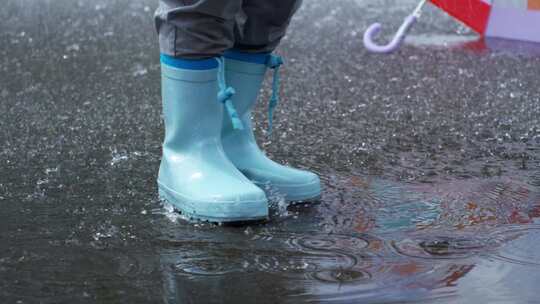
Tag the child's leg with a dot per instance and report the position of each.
(257, 35)
(196, 29)
(263, 23)
(195, 175)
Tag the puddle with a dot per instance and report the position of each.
(519, 245)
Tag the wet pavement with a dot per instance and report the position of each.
(430, 160)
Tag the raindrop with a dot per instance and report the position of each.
(73, 48)
(118, 157)
(139, 70)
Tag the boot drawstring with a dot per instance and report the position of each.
(225, 94)
(274, 62)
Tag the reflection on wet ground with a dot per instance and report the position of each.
(429, 158)
(342, 259)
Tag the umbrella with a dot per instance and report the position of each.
(510, 19)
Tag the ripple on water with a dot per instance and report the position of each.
(329, 242)
(519, 245)
(441, 247)
(342, 276)
(317, 256)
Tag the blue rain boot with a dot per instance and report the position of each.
(245, 72)
(195, 174)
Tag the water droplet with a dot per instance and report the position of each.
(139, 70)
(73, 48)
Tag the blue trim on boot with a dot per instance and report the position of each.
(259, 58)
(189, 64)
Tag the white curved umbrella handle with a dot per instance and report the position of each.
(398, 38)
(396, 41)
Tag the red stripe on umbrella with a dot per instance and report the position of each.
(474, 13)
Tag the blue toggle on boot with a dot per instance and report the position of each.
(195, 174)
(245, 72)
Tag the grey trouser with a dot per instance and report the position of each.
(197, 29)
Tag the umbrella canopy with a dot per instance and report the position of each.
(511, 19)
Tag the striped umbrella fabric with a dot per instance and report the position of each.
(510, 19)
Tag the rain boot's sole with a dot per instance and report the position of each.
(294, 194)
(215, 212)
